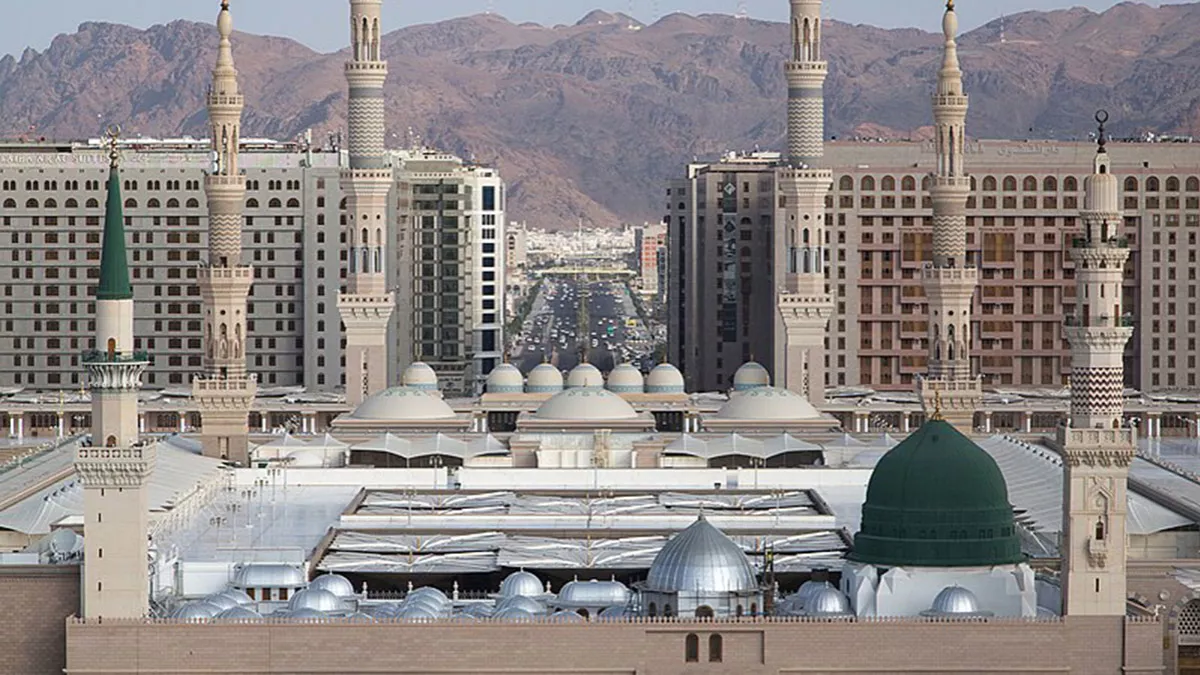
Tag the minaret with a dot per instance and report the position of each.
(950, 280)
(113, 470)
(804, 304)
(367, 305)
(1096, 445)
(225, 392)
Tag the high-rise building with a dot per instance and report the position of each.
(648, 241)
(114, 468)
(225, 391)
(1096, 444)
(950, 278)
(367, 304)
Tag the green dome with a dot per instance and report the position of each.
(937, 500)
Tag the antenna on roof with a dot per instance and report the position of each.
(491, 7)
(742, 11)
(1002, 38)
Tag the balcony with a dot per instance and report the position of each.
(1105, 321)
(97, 356)
(1112, 242)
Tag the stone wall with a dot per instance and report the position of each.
(35, 601)
(1091, 646)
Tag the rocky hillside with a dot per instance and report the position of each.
(589, 120)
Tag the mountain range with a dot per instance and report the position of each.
(588, 121)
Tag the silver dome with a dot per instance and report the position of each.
(476, 609)
(360, 617)
(565, 616)
(426, 603)
(196, 610)
(522, 603)
(315, 599)
(513, 614)
(614, 612)
(806, 591)
(428, 592)
(240, 614)
(827, 601)
(955, 601)
(222, 601)
(384, 611)
(592, 593)
(418, 612)
(239, 597)
(269, 575)
(305, 615)
(701, 559)
(521, 583)
(334, 583)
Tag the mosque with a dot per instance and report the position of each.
(604, 526)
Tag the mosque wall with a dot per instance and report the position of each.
(1091, 645)
(35, 601)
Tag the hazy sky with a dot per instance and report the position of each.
(321, 23)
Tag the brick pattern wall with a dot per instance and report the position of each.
(1095, 646)
(35, 602)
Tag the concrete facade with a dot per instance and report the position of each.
(1085, 645)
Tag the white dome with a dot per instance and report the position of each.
(614, 612)
(334, 583)
(239, 597)
(521, 583)
(269, 575)
(626, 379)
(544, 379)
(767, 404)
(827, 601)
(751, 376)
(664, 379)
(403, 404)
(955, 601)
(513, 614)
(585, 375)
(585, 403)
(505, 379)
(425, 603)
(418, 613)
(701, 559)
(592, 594)
(565, 617)
(807, 589)
(316, 599)
(430, 592)
(420, 376)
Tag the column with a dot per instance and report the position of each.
(1027, 421)
(906, 422)
(987, 422)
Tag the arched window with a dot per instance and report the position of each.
(50, 203)
(31, 203)
(716, 652)
(704, 612)
(691, 648)
(10, 203)
(1172, 184)
(1010, 184)
(867, 184)
(342, 204)
(1131, 184)
(846, 184)
(1099, 529)
(152, 203)
(71, 203)
(1193, 184)
(1152, 184)
(1070, 184)
(293, 203)
(1050, 184)
(252, 203)
(1030, 184)
(908, 184)
(989, 184)
(653, 609)
(193, 203)
(92, 203)
(888, 184)
(667, 611)
(110, 442)
(274, 203)
(131, 203)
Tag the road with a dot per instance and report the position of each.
(552, 330)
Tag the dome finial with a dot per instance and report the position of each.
(1101, 138)
(113, 133)
(937, 406)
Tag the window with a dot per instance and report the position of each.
(715, 652)
(489, 198)
(691, 648)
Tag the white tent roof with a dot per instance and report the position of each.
(787, 443)
(389, 443)
(328, 442)
(284, 442)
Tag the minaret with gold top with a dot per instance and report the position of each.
(366, 306)
(804, 304)
(225, 392)
(950, 279)
(114, 468)
(1096, 444)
